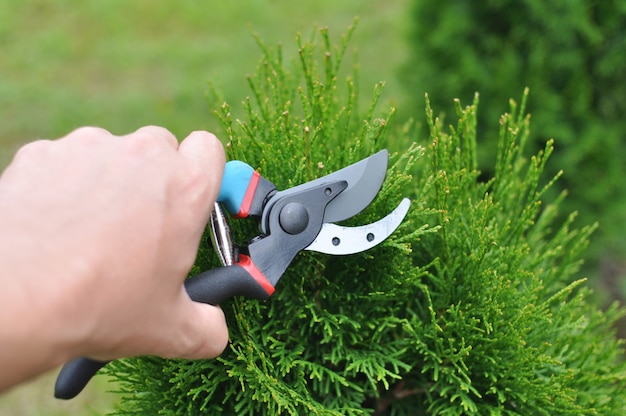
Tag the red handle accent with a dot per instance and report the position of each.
(244, 209)
(259, 277)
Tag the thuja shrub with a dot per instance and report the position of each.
(571, 55)
(469, 308)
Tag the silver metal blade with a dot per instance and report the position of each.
(338, 240)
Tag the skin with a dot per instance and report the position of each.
(98, 233)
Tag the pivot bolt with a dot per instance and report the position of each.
(294, 218)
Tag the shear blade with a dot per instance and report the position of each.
(364, 180)
(339, 240)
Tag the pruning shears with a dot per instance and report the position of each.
(292, 220)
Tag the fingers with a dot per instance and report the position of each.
(199, 146)
(203, 332)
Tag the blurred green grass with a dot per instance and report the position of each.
(121, 64)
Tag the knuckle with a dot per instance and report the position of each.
(156, 133)
(150, 139)
(208, 135)
(32, 149)
(88, 132)
(85, 136)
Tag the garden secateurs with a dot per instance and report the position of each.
(292, 220)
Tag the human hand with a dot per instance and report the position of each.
(97, 234)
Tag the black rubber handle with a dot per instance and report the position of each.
(74, 376)
(217, 285)
(213, 287)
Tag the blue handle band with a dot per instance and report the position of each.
(235, 182)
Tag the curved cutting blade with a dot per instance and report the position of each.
(338, 240)
(364, 180)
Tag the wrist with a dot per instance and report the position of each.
(37, 329)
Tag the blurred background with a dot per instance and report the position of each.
(122, 64)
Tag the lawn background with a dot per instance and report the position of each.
(122, 64)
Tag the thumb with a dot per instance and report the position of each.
(204, 150)
(203, 158)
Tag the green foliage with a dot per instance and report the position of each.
(571, 55)
(469, 308)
